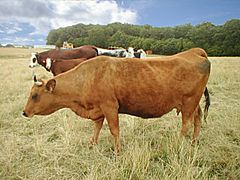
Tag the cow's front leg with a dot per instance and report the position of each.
(114, 129)
(96, 131)
(111, 113)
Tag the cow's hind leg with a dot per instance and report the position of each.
(188, 112)
(187, 118)
(96, 130)
(197, 123)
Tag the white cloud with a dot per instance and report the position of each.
(90, 12)
(13, 30)
(10, 28)
(40, 40)
(18, 40)
(45, 16)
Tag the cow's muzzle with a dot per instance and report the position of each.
(24, 114)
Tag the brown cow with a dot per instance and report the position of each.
(85, 52)
(105, 86)
(60, 66)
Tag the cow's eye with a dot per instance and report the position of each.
(34, 60)
(34, 97)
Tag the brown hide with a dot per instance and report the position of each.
(85, 52)
(105, 86)
(61, 66)
(193, 55)
(198, 53)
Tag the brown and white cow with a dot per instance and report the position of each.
(83, 52)
(105, 86)
(61, 66)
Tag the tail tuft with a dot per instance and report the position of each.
(207, 100)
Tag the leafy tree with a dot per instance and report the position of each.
(157, 47)
(59, 43)
(202, 35)
(137, 42)
(147, 43)
(120, 39)
(182, 31)
(52, 37)
(216, 40)
(78, 42)
(98, 37)
(171, 46)
(231, 41)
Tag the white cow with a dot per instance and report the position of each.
(140, 53)
(115, 52)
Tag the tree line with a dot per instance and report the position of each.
(217, 40)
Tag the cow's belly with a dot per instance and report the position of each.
(147, 109)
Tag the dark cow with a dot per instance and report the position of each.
(83, 52)
(105, 86)
(61, 66)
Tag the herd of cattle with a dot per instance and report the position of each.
(97, 86)
(59, 61)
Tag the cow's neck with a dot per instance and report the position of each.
(42, 58)
(41, 61)
(67, 93)
(72, 103)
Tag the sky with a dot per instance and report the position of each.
(27, 22)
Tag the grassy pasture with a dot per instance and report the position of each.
(56, 146)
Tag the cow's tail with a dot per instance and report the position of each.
(207, 101)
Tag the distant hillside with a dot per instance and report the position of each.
(221, 40)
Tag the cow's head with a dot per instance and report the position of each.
(33, 60)
(42, 100)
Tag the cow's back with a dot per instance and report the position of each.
(86, 51)
(193, 54)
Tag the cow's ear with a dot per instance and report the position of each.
(51, 84)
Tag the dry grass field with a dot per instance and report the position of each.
(56, 146)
